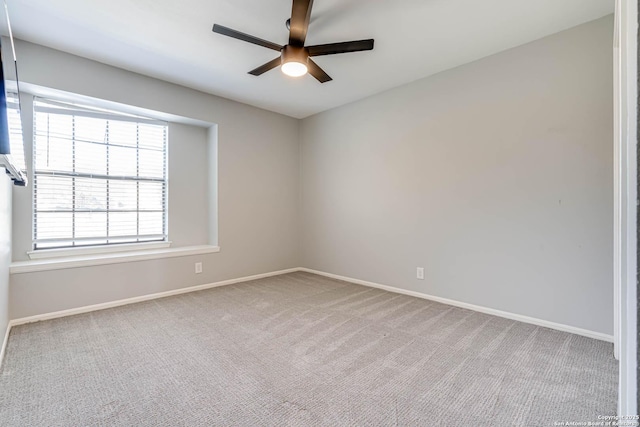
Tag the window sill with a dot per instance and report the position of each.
(96, 250)
(62, 263)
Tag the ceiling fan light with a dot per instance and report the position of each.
(294, 61)
(294, 69)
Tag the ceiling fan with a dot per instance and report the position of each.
(295, 57)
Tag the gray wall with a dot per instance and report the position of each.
(258, 192)
(495, 176)
(188, 179)
(5, 250)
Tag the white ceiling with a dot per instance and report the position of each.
(172, 40)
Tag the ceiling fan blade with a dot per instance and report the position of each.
(318, 72)
(245, 37)
(299, 24)
(343, 47)
(266, 67)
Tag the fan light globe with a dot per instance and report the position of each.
(294, 60)
(294, 69)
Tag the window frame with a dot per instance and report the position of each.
(83, 110)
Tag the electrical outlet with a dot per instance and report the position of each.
(198, 267)
(420, 273)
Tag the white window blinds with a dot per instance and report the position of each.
(99, 177)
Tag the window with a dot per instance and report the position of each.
(99, 177)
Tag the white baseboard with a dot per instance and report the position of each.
(4, 343)
(111, 304)
(481, 309)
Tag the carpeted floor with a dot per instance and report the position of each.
(300, 350)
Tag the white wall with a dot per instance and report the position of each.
(5, 250)
(257, 189)
(495, 176)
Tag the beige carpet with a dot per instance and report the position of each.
(300, 350)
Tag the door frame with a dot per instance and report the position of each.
(625, 59)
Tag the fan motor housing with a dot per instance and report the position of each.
(294, 54)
